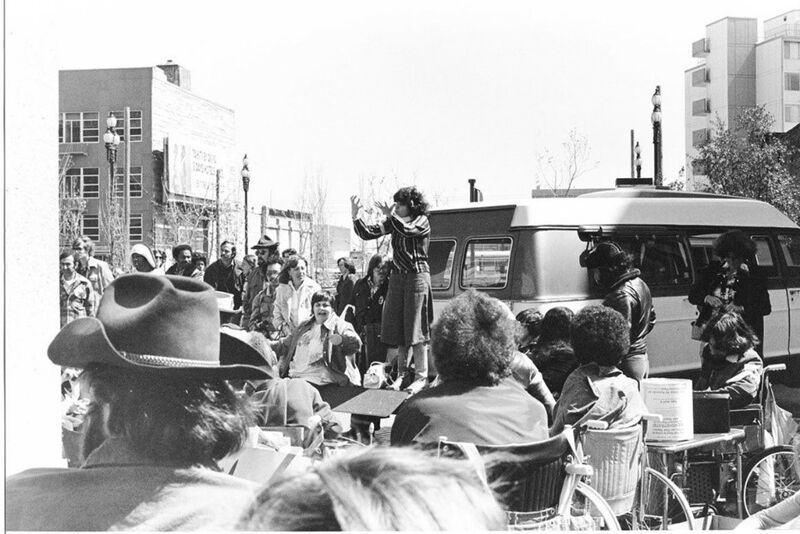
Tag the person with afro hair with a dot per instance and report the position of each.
(477, 400)
(598, 389)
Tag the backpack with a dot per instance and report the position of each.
(375, 377)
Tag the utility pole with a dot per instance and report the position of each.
(216, 215)
(632, 157)
(126, 225)
(656, 119)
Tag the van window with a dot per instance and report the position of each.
(663, 260)
(790, 247)
(440, 261)
(486, 263)
(702, 252)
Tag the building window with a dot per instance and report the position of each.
(136, 125)
(78, 128)
(90, 226)
(135, 232)
(791, 113)
(82, 182)
(699, 137)
(791, 50)
(136, 182)
(791, 81)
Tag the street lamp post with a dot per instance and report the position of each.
(638, 161)
(246, 187)
(111, 139)
(656, 119)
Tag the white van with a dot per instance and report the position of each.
(527, 254)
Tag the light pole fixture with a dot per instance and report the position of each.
(656, 120)
(111, 139)
(246, 187)
(638, 161)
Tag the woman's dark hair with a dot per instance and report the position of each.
(556, 324)
(375, 261)
(349, 264)
(198, 257)
(177, 249)
(289, 252)
(414, 199)
(474, 339)
(737, 243)
(730, 333)
(600, 334)
(531, 321)
(291, 263)
(321, 296)
(171, 418)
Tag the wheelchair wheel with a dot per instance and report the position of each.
(768, 479)
(598, 506)
(660, 504)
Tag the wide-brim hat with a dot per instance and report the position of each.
(265, 242)
(155, 324)
(238, 346)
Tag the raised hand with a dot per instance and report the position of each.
(355, 206)
(385, 208)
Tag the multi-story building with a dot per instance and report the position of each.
(736, 71)
(181, 146)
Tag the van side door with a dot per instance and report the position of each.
(789, 245)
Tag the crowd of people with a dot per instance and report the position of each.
(170, 383)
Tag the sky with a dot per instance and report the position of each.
(425, 92)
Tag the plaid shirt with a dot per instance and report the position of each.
(77, 299)
(409, 240)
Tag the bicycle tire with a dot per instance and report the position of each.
(598, 505)
(769, 478)
(660, 503)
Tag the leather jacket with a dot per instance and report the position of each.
(630, 296)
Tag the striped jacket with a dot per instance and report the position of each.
(409, 240)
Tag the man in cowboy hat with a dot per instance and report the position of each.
(161, 414)
(265, 248)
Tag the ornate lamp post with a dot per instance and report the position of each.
(111, 139)
(246, 187)
(656, 119)
(638, 161)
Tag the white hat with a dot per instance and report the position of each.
(144, 251)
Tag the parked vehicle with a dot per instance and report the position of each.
(526, 254)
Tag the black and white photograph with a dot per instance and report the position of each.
(354, 265)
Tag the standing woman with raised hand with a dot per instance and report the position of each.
(408, 310)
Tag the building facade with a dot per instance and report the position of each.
(736, 71)
(181, 154)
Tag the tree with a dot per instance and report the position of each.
(558, 172)
(71, 206)
(748, 161)
(314, 231)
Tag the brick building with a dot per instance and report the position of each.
(180, 143)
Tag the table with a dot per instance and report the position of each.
(362, 401)
(734, 437)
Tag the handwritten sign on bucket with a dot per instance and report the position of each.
(672, 399)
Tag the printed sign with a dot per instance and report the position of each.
(192, 168)
(672, 399)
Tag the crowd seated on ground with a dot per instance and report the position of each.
(477, 400)
(598, 389)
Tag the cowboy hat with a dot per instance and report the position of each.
(265, 242)
(238, 346)
(156, 324)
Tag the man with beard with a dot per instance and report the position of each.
(264, 249)
(183, 266)
(612, 270)
(260, 319)
(161, 415)
(225, 274)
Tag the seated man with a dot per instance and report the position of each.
(477, 400)
(161, 414)
(598, 389)
(730, 361)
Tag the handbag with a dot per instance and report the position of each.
(375, 377)
(778, 422)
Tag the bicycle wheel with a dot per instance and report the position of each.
(660, 504)
(768, 479)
